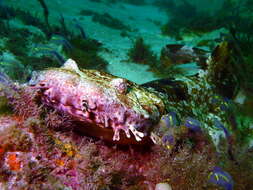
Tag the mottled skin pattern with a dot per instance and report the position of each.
(194, 97)
(118, 110)
(101, 100)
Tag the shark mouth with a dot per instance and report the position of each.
(113, 115)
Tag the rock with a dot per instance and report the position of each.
(174, 54)
(163, 186)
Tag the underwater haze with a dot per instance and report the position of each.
(126, 95)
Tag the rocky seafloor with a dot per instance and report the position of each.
(35, 156)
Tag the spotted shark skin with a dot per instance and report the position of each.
(100, 99)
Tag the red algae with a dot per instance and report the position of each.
(58, 159)
(13, 162)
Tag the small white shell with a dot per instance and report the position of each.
(71, 65)
(163, 186)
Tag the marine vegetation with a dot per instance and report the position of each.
(109, 21)
(37, 50)
(231, 68)
(85, 51)
(105, 19)
(174, 60)
(234, 16)
(46, 13)
(141, 53)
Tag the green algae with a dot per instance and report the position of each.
(5, 108)
(85, 53)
